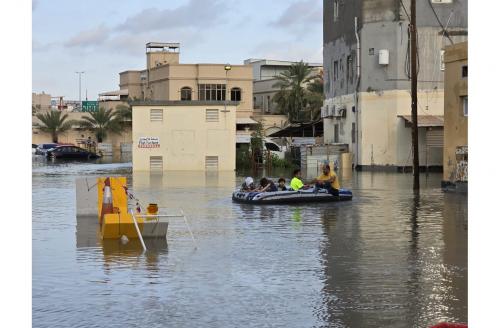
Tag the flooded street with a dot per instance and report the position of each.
(388, 258)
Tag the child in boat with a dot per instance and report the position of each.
(281, 185)
(296, 182)
(248, 185)
(267, 185)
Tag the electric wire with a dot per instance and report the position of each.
(445, 32)
(404, 8)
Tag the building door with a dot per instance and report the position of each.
(435, 142)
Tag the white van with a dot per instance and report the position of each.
(267, 144)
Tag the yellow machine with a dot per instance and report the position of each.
(117, 221)
(115, 218)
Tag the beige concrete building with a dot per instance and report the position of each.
(455, 151)
(166, 79)
(184, 135)
(40, 101)
(185, 94)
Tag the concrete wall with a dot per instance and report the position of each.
(38, 137)
(185, 137)
(41, 101)
(455, 122)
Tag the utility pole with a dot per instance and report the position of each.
(80, 87)
(414, 127)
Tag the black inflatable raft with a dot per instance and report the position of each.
(290, 197)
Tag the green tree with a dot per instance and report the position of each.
(315, 96)
(292, 97)
(124, 112)
(102, 122)
(53, 122)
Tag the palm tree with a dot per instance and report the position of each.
(101, 122)
(53, 122)
(291, 99)
(315, 96)
(124, 112)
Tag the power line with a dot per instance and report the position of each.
(404, 8)
(445, 33)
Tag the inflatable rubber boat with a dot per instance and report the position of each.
(290, 197)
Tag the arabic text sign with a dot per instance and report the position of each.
(149, 142)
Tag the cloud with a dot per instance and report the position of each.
(37, 46)
(195, 13)
(300, 14)
(91, 37)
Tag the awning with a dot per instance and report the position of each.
(245, 120)
(425, 120)
(309, 129)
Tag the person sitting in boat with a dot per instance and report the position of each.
(328, 180)
(281, 185)
(296, 182)
(267, 185)
(248, 185)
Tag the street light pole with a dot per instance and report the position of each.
(414, 117)
(227, 68)
(80, 87)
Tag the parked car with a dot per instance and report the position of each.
(33, 148)
(70, 152)
(42, 148)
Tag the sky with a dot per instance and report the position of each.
(106, 37)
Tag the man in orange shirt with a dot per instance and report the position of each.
(328, 180)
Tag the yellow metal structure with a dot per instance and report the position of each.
(120, 222)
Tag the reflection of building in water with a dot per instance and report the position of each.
(455, 226)
(393, 259)
(113, 250)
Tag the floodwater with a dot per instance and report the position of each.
(386, 259)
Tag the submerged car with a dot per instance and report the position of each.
(42, 149)
(70, 152)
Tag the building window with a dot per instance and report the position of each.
(211, 162)
(465, 105)
(465, 71)
(156, 115)
(336, 133)
(156, 163)
(268, 104)
(353, 133)
(335, 70)
(335, 10)
(212, 115)
(235, 94)
(186, 93)
(211, 92)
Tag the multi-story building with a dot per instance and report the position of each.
(264, 79)
(165, 79)
(366, 73)
(191, 98)
(455, 152)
